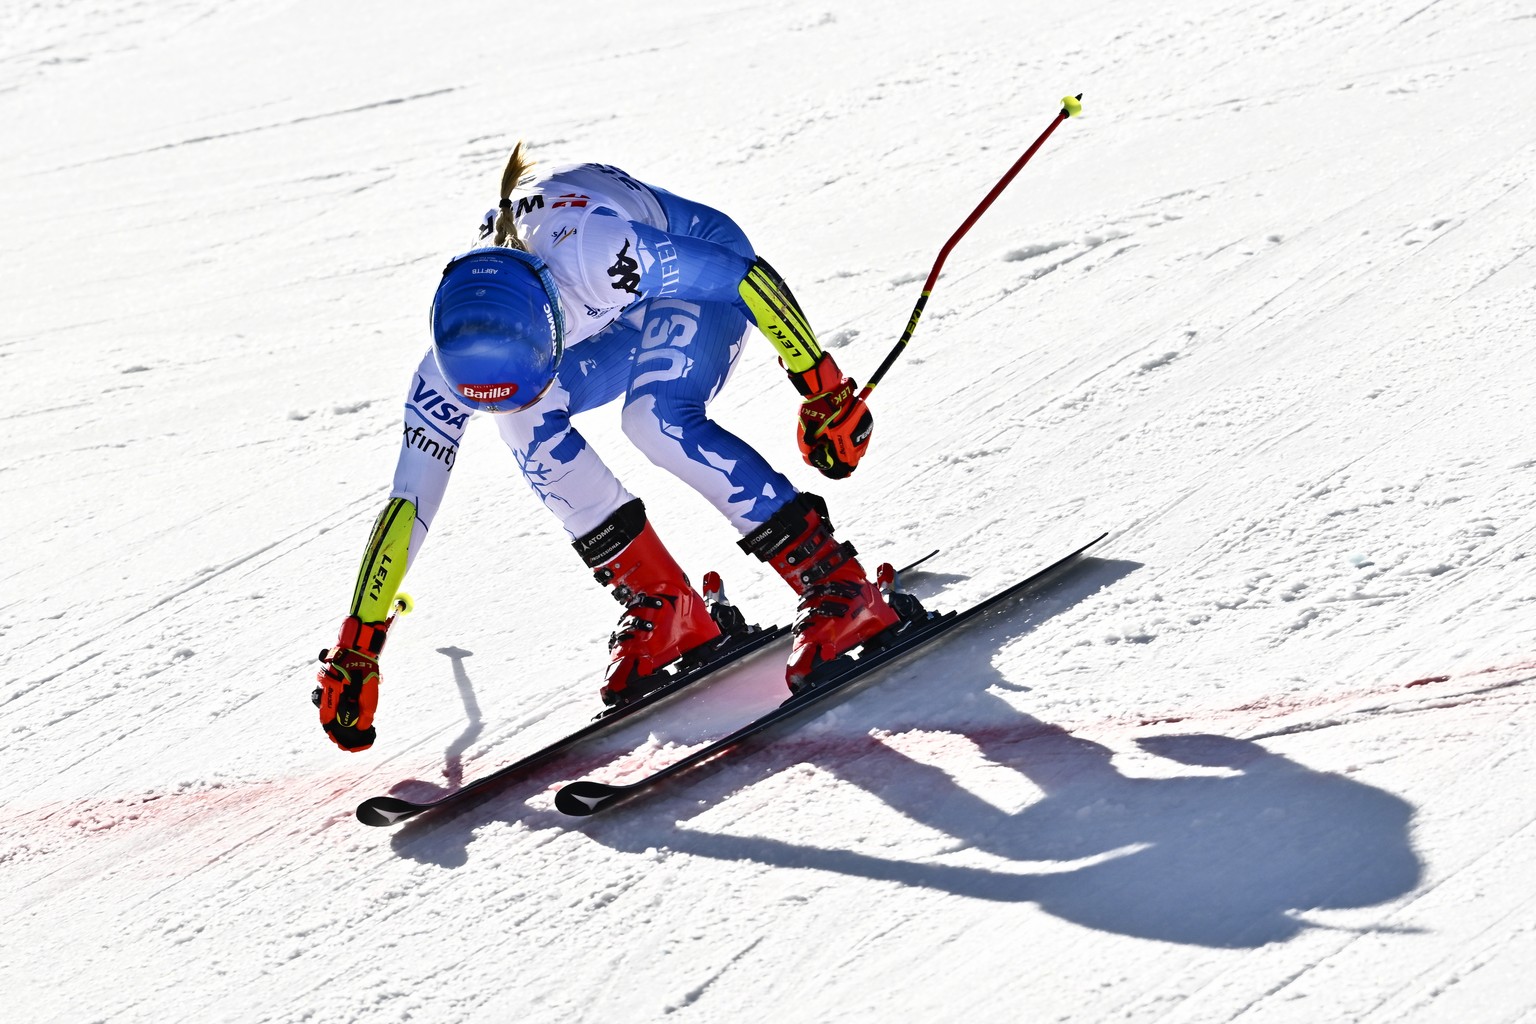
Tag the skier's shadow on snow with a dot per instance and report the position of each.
(1221, 860)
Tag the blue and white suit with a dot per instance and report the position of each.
(647, 282)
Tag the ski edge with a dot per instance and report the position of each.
(387, 811)
(585, 797)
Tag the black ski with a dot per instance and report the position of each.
(384, 811)
(585, 797)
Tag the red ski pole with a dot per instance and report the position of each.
(1070, 107)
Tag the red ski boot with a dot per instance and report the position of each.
(664, 617)
(839, 607)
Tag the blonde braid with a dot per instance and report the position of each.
(516, 173)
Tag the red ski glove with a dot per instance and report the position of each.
(835, 425)
(348, 692)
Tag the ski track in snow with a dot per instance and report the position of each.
(1263, 313)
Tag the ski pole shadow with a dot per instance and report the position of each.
(1224, 856)
(453, 757)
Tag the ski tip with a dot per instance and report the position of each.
(585, 797)
(384, 811)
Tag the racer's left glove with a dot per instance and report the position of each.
(835, 425)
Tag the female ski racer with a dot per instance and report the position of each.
(595, 286)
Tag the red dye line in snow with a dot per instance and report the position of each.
(332, 796)
(185, 809)
(1268, 707)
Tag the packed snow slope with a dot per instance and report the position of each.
(1264, 313)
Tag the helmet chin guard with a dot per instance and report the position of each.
(497, 328)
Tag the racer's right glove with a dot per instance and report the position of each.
(348, 693)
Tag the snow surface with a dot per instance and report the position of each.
(1265, 312)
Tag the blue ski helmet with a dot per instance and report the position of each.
(497, 329)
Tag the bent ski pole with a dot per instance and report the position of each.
(1070, 107)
